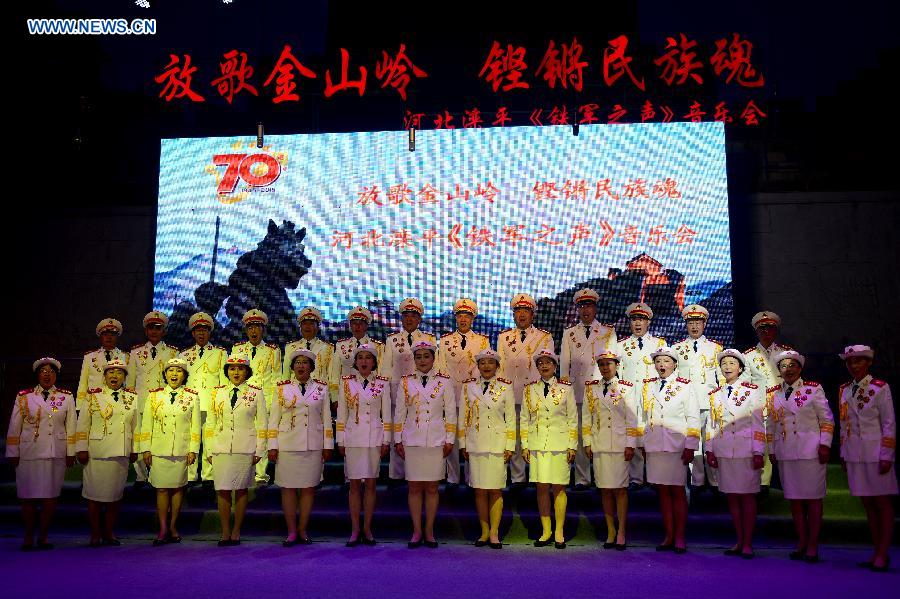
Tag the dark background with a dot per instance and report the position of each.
(813, 190)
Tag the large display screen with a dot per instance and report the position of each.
(638, 212)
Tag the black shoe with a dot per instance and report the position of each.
(884, 568)
(495, 545)
(867, 564)
(159, 542)
(354, 543)
(370, 542)
(26, 547)
(579, 487)
(291, 543)
(44, 546)
(734, 552)
(431, 544)
(234, 543)
(224, 543)
(750, 555)
(138, 485)
(304, 541)
(609, 545)
(621, 547)
(111, 542)
(681, 550)
(415, 544)
(559, 545)
(540, 543)
(798, 555)
(480, 543)
(811, 559)
(666, 547)
(174, 540)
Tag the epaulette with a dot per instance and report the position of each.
(271, 345)
(240, 343)
(406, 376)
(504, 381)
(129, 390)
(878, 383)
(189, 390)
(749, 385)
(219, 387)
(137, 346)
(651, 380)
(219, 347)
(542, 330)
(595, 382)
(156, 390)
(393, 334)
(845, 385)
(566, 383)
(255, 387)
(626, 383)
(279, 383)
(716, 390)
(609, 325)
(681, 341)
(663, 339)
(173, 347)
(531, 383)
(505, 331)
(382, 378)
(90, 351)
(623, 338)
(321, 382)
(66, 391)
(713, 341)
(291, 342)
(773, 389)
(747, 351)
(346, 377)
(97, 390)
(683, 380)
(811, 384)
(468, 380)
(25, 391)
(429, 335)
(376, 342)
(785, 346)
(442, 375)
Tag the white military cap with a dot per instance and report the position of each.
(201, 319)
(359, 313)
(546, 353)
(465, 304)
(301, 352)
(116, 363)
(604, 353)
(695, 311)
(853, 351)
(789, 353)
(522, 300)
(48, 360)
(732, 353)
(586, 295)
(109, 324)
(255, 316)
(364, 347)
(156, 317)
(424, 344)
(309, 313)
(411, 304)
(178, 363)
(639, 309)
(765, 317)
(487, 353)
(665, 350)
(238, 359)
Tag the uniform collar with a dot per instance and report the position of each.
(775, 347)
(613, 380)
(430, 374)
(169, 389)
(864, 381)
(795, 385)
(552, 380)
(671, 378)
(699, 339)
(40, 390)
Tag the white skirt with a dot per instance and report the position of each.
(487, 470)
(424, 464)
(233, 471)
(802, 479)
(298, 469)
(104, 479)
(866, 482)
(666, 468)
(40, 479)
(610, 470)
(736, 475)
(550, 467)
(362, 462)
(168, 472)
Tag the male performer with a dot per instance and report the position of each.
(108, 330)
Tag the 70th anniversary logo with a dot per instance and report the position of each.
(240, 172)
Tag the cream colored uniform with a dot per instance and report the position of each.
(761, 371)
(207, 372)
(517, 365)
(170, 429)
(798, 424)
(300, 428)
(868, 435)
(486, 427)
(635, 366)
(364, 413)
(670, 423)
(577, 365)
(145, 372)
(41, 434)
(549, 427)
(395, 362)
(324, 352)
(699, 365)
(92, 372)
(242, 429)
(610, 424)
(109, 431)
(459, 363)
(735, 433)
(266, 365)
(342, 362)
(425, 416)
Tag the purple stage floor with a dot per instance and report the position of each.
(261, 567)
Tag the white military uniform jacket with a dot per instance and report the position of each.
(670, 418)
(458, 362)
(487, 420)
(171, 427)
(342, 361)
(761, 370)
(425, 415)
(243, 428)
(324, 352)
(549, 423)
(636, 365)
(609, 421)
(735, 428)
(576, 357)
(396, 360)
(108, 428)
(700, 367)
(364, 416)
(266, 365)
(42, 429)
(206, 372)
(800, 423)
(868, 428)
(146, 372)
(301, 421)
(92, 372)
(517, 356)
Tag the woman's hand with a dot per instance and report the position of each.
(15, 462)
(343, 451)
(448, 447)
(588, 452)
(256, 459)
(711, 460)
(191, 458)
(758, 462)
(400, 450)
(507, 455)
(687, 456)
(385, 449)
(824, 454)
(570, 455)
(773, 458)
(273, 455)
(70, 461)
(526, 455)
(326, 455)
(884, 466)
(629, 454)
(148, 459)
(464, 454)
(83, 458)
